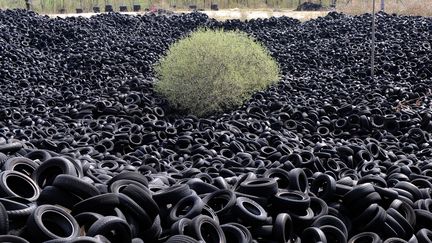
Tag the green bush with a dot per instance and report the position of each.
(214, 70)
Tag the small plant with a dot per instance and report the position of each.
(214, 70)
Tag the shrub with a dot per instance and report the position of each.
(214, 70)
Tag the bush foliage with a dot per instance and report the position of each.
(214, 70)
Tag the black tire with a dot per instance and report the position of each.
(129, 175)
(41, 155)
(87, 219)
(142, 198)
(423, 218)
(4, 220)
(313, 235)
(294, 201)
(330, 220)
(221, 202)
(50, 222)
(129, 206)
(45, 173)
(97, 204)
(370, 237)
(201, 187)
(17, 184)
(188, 207)
(21, 164)
(181, 239)
(12, 239)
(333, 234)
(106, 225)
(249, 212)
(10, 147)
(424, 236)
(234, 234)
(57, 196)
(396, 240)
(298, 180)
(171, 195)
(180, 227)
(407, 228)
(206, 229)
(324, 186)
(76, 186)
(282, 228)
(405, 210)
(260, 187)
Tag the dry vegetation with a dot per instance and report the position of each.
(403, 7)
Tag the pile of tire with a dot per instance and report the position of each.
(89, 153)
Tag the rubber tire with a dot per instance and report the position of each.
(43, 178)
(37, 230)
(365, 237)
(245, 215)
(105, 225)
(195, 229)
(12, 239)
(76, 186)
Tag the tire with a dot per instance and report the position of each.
(333, 234)
(180, 227)
(76, 186)
(243, 209)
(221, 202)
(17, 184)
(234, 234)
(86, 219)
(40, 155)
(171, 195)
(45, 173)
(365, 237)
(21, 164)
(4, 220)
(324, 187)
(405, 210)
(129, 175)
(181, 239)
(188, 207)
(106, 225)
(424, 236)
(12, 239)
(201, 187)
(260, 187)
(211, 233)
(313, 235)
(129, 206)
(282, 228)
(402, 221)
(10, 147)
(330, 220)
(57, 196)
(47, 218)
(298, 180)
(294, 201)
(97, 204)
(143, 199)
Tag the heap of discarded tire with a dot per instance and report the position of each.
(89, 153)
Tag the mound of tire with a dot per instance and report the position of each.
(89, 153)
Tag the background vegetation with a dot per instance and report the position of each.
(214, 70)
(406, 7)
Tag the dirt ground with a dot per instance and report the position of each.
(235, 14)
